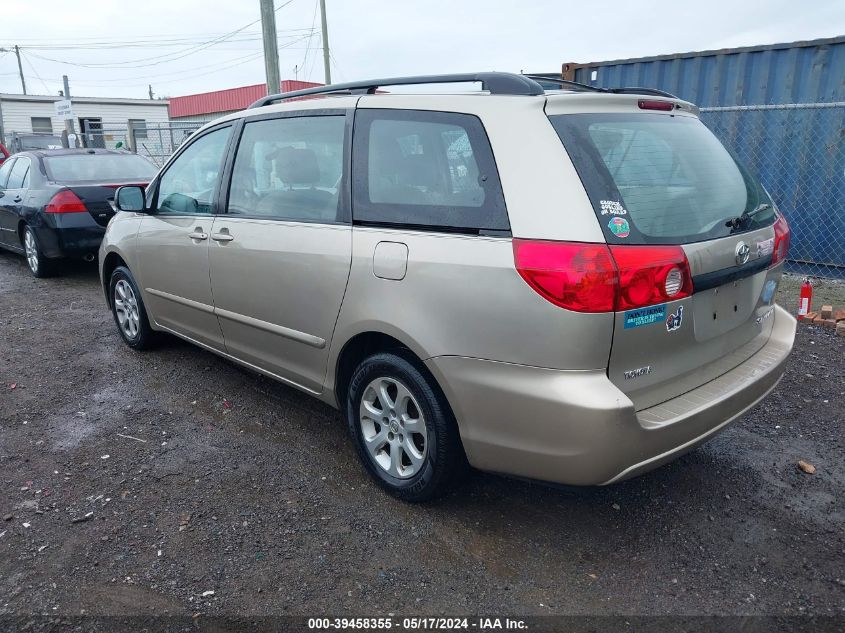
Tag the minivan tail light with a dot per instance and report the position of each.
(573, 275)
(782, 238)
(586, 277)
(650, 275)
(65, 201)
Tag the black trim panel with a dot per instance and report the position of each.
(717, 278)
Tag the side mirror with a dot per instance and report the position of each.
(129, 198)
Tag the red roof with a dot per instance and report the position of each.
(228, 100)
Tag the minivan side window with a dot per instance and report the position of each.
(289, 168)
(188, 185)
(426, 170)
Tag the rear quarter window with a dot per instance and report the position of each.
(429, 170)
(656, 179)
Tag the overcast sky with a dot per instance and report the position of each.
(117, 48)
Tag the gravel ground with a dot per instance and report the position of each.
(139, 483)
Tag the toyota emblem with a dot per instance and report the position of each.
(743, 252)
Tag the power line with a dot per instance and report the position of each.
(184, 72)
(308, 46)
(153, 38)
(26, 59)
(243, 37)
(160, 59)
(129, 82)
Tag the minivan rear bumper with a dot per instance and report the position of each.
(577, 427)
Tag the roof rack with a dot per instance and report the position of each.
(496, 83)
(575, 85)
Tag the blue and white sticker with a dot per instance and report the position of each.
(645, 316)
(769, 291)
(674, 321)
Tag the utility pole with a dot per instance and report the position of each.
(150, 88)
(327, 71)
(20, 67)
(271, 50)
(68, 122)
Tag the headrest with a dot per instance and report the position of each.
(296, 166)
(417, 170)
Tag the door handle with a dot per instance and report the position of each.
(222, 237)
(198, 235)
(17, 199)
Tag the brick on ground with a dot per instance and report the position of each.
(827, 312)
(829, 323)
(839, 315)
(818, 320)
(810, 316)
(840, 328)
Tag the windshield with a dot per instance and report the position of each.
(657, 179)
(99, 168)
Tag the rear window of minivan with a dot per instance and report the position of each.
(659, 179)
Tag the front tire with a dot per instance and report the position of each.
(403, 428)
(128, 309)
(39, 265)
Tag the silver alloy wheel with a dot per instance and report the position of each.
(126, 308)
(31, 250)
(393, 427)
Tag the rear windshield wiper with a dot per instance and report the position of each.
(737, 222)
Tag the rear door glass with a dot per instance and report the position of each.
(657, 179)
(289, 168)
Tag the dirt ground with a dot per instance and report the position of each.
(141, 482)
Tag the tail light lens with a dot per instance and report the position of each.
(575, 276)
(599, 278)
(651, 274)
(65, 201)
(782, 237)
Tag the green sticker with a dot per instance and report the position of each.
(619, 227)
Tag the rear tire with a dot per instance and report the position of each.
(403, 428)
(38, 264)
(129, 311)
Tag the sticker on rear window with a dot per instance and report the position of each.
(674, 321)
(611, 207)
(619, 227)
(644, 316)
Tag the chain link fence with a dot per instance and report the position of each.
(798, 153)
(155, 141)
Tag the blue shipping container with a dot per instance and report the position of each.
(781, 109)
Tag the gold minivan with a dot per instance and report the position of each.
(571, 285)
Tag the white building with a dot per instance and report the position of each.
(108, 117)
